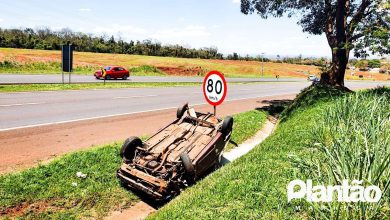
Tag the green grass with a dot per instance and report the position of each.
(100, 85)
(51, 67)
(46, 191)
(246, 125)
(146, 70)
(78, 86)
(254, 186)
(51, 186)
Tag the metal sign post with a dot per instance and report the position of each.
(70, 61)
(62, 66)
(67, 61)
(214, 89)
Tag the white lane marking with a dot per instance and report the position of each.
(21, 104)
(136, 96)
(131, 113)
(245, 89)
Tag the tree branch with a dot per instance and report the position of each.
(358, 16)
(356, 36)
(328, 29)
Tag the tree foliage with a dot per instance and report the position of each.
(359, 25)
(367, 21)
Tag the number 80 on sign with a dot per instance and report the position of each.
(214, 88)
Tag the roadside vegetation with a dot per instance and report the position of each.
(338, 135)
(54, 67)
(146, 70)
(51, 67)
(97, 85)
(78, 86)
(352, 142)
(53, 191)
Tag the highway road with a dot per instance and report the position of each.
(27, 109)
(57, 78)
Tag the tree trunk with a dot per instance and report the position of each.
(338, 44)
(335, 75)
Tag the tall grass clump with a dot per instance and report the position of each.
(352, 142)
(146, 70)
(8, 64)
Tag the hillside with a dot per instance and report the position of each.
(47, 61)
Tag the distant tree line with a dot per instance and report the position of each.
(236, 56)
(322, 61)
(365, 64)
(46, 39)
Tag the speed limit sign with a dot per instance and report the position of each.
(214, 88)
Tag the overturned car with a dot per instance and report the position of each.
(177, 155)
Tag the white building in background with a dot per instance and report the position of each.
(374, 70)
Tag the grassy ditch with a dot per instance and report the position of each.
(246, 125)
(53, 191)
(305, 145)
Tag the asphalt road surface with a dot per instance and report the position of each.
(27, 109)
(57, 78)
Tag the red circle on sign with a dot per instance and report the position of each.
(224, 84)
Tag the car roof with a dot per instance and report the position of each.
(113, 66)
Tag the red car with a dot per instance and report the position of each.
(113, 72)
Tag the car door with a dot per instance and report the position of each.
(116, 72)
(121, 72)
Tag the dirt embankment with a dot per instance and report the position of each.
(182, 71)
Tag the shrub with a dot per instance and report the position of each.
(8, 64)
(375, 63)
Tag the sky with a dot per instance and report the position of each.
(191, 23)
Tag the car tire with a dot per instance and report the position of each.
(227, 127)
(181, 110)
(124, 77)
(128, 148)
(187, 163)
(108, 77)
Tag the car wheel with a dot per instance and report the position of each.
(181, 110)
(187, 163)
(128, 148)
(108, 77)
(124, 77)
(227, 127)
